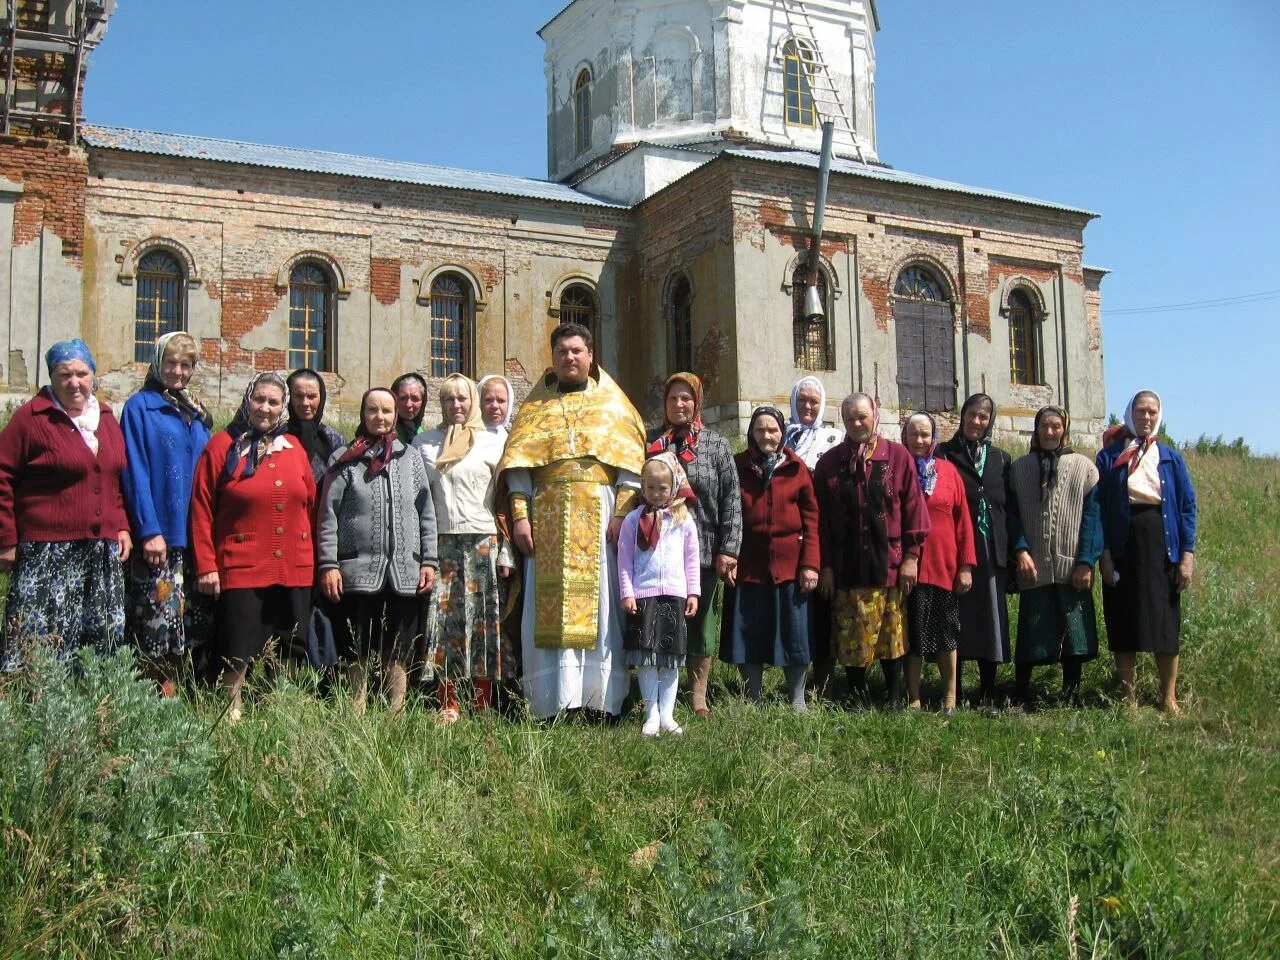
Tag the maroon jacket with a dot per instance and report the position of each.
(52, 487)
(779, 522)
(872, 517)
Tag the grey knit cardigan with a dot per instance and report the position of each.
(379, 530)
(1059, 525)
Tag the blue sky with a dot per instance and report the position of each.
(1163, 116)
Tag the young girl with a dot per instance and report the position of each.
(658, 576)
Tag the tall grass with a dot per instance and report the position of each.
(135, 827)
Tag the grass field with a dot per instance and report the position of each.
(135, 827)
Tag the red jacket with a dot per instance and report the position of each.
(254, 532)
(779, 522)
(949, 545)
(52, 487)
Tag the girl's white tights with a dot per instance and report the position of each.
(659, 687)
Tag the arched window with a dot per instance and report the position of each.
(811, 337)
(582, 112)
(451, 310)
(310, 317)
(797, 64)
(578, 305)
(1024, 342)
(681, 324)
(159, 304)
(926, 341)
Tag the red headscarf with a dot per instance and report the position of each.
(682, 440)
(381, 447)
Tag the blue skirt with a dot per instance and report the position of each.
(766, 623)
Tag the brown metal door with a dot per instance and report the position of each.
(926, 355)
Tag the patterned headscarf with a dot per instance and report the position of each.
(380, 447)
(1135, 446)
(650, 528)
(926, 466)
(181, 400)
(459, 438)
(1049, 458)
(242, 431)
(65, 350)
(977, 453)
(763, 464)
(505, 425)
(683, 440)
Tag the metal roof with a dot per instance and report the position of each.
(801, 158)
(336, 164)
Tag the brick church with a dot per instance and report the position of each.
(682, 154)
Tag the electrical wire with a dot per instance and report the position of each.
(1241, 300)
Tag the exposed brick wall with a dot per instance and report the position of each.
(384, 279)
(54, 179)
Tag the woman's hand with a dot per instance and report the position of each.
(690, 607)
(1082, 577)
(505, 572)
(1107, 567)
(155, 551)
(629, 605)
(1186, 570)
(125, 544)
(964, 580)
(8, 557)
(808, 579)
(615, 527)
(522, 536)
(827, 583)
(331, 584)
(426, 579)
(209, 584)
(908, 573)
(1026, 567)
(727, 568)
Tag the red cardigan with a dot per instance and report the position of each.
(254, 532)
(949, 545)
(52, 487)
(779, 522)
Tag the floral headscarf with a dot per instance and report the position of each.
(926, 466)
(66, 350)
(763, 464)
(650, 528)
(258, 441)
(682, 440)
(379, 448)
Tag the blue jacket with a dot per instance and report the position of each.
(1177, 502)
(162, 450)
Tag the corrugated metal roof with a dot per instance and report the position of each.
(337, 164)
(801, 158)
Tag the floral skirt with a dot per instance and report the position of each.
(166, 617)
(69, 594)
(869, 625)
(464, 634)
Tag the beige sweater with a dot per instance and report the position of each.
(1052, 524)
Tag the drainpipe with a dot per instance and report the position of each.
(813, 306)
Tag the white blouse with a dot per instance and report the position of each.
(461, 493)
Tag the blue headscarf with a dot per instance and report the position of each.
(926, 466)
(65, 350)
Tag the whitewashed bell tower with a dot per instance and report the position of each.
(707, 73)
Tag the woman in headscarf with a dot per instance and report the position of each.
(64, 532)
(165, 430)
(1149, 539)
(1056, 538)
(463, 623)
(946, 564)
(307, 399)
(707, 459)
(252, 501)
(376, 534)
(410, 391)
(873, 524)
(497, 403)
(984, 615)
(768, 619)
(806, 435)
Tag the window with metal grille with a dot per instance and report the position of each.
(682, 325)
(1024, 347)
(582, 112)
(159, 303)
(578, 305)
(812, 337)
(310, 317)
(797, 60)
(450, 325)
(925, 334)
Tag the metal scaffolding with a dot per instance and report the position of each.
(45, 46)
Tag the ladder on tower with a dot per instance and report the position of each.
(827, 103)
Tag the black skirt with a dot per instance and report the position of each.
(656, 633)
(1143, 611)
(984, 610)
(250, 617)
(381, 627)
(933, 620)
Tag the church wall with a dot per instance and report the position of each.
(238, 229)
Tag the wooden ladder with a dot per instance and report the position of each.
(826, 97)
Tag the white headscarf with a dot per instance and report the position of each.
(505, 426)
(809, 441)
